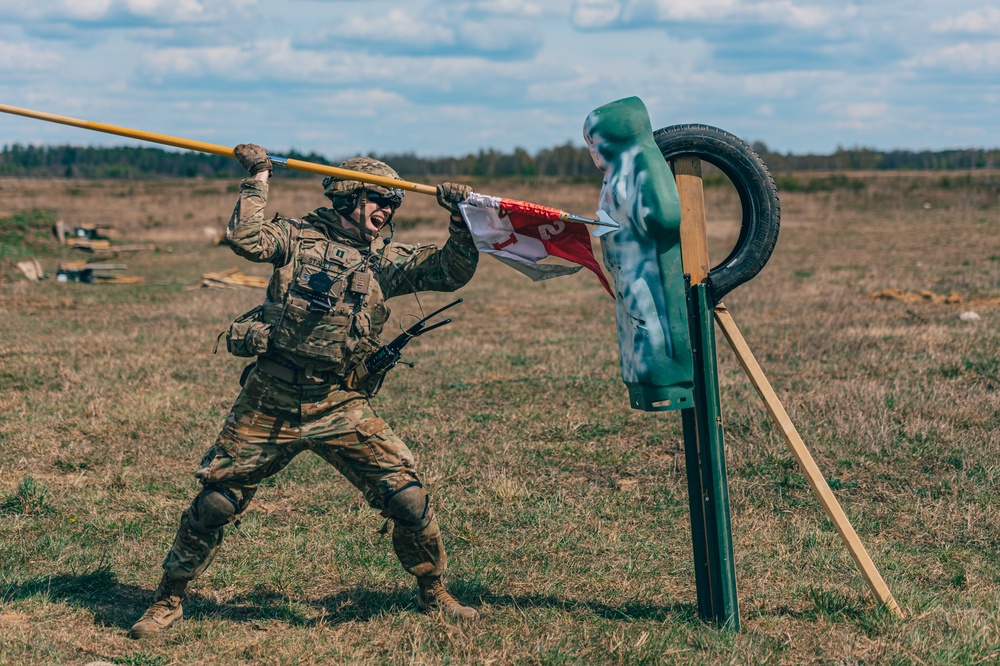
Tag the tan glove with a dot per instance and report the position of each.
(449, 195)
(253, 158)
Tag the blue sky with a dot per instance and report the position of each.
(341, 77)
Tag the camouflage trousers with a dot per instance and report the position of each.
(270, 423)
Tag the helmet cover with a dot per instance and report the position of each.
(334, 187)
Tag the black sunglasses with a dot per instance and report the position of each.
(392, 200)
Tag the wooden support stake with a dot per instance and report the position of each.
(694, 230)
(805, 460)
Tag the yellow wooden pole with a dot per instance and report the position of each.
(226, 151)
(215, 149)
(805, 460)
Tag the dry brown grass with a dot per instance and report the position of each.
(565, 512)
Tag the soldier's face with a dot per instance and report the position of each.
(377, 212)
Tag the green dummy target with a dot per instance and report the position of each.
(643, 256)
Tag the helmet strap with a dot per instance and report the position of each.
(362, 210)
(362, 205)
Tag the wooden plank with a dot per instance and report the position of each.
(805, 461)
(104, 267)
(694, 231)
(120, 279)
(31, 269)
(221, 274)
(91, 245)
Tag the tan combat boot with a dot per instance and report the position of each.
(166, 609)
(433, 596)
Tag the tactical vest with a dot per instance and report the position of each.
(324, 307)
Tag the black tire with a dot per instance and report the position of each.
(756, 188)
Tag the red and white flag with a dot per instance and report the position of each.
(521, 234)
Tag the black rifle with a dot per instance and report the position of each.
(387, 356)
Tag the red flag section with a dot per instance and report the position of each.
(561, 239)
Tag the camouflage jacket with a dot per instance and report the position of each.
(325, 304)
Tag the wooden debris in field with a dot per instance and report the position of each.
(74, 271)
(106, 267)
(106, 246)
(929, 297)
(137, 247)
(31, 269)
(90, 245)
(232, 278)
(119, 279)
(81, 271)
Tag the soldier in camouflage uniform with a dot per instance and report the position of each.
(321, 318)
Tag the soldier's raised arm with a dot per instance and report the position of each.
(430, 268)
(250, 233)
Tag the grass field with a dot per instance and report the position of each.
(564, 511)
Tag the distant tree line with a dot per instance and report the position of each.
(851, 159)
(567, 160)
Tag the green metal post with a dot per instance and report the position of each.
(699, 539)
(715, 572)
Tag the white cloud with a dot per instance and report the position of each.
(397, 25)
(520, 8)
(60, 10)
(985, 20)
(578, 84)
(259, 61)
(866, 111)
(420, 31)
(964, 58)
(366, 103)
(272, 66)
(685, 10)
(87, 10)
(598, 14)
(100, 11)
(16, 58)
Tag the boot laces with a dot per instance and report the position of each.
(161, 606)
(437, 594)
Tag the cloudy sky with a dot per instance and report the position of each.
(446, 78)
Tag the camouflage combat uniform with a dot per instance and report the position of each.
(318, 321)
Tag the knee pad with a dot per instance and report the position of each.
(409, 507)
(213, 508)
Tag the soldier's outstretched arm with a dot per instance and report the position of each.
(430, 268)
(250, 233)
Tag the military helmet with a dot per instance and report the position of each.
(340, 188)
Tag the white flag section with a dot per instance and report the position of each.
(496, 235)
